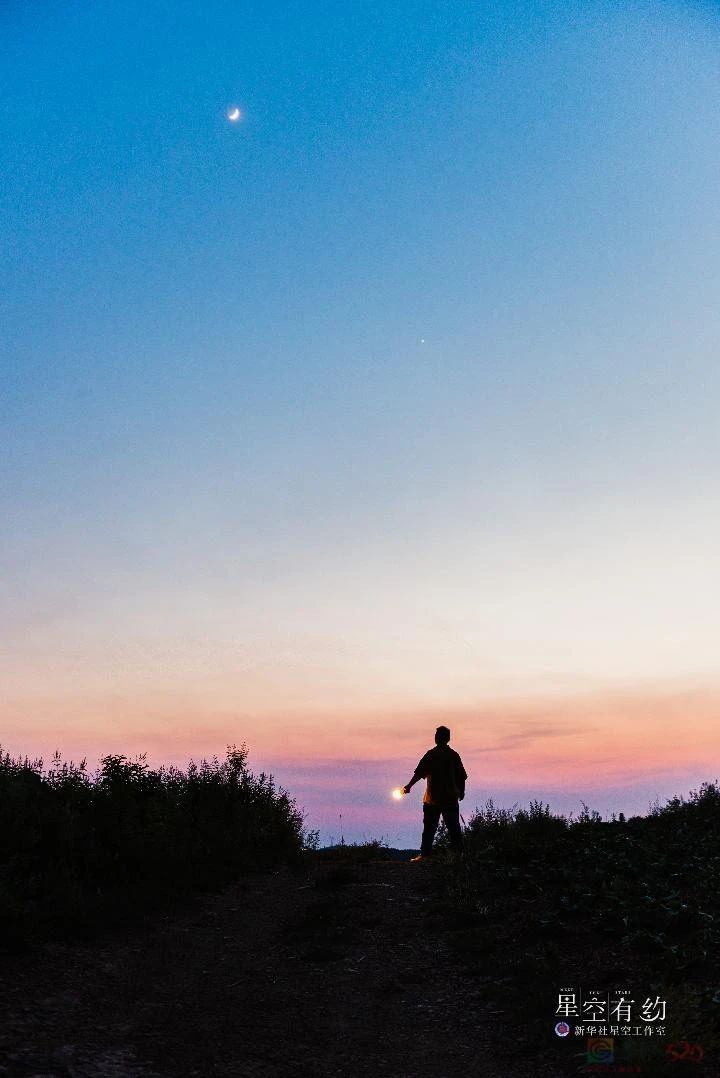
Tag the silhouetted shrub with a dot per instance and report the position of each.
(78, 852)
(538, 895)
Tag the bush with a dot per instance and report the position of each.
(78, 852)
(537, 895)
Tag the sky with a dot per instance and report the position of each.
(392, 404)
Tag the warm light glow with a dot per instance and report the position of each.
(397, 794)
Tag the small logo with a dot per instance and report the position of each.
(600, 1050)
(693, 1053)
(562, 1029)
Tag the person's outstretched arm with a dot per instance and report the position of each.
(420, 773)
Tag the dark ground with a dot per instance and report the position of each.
(338, 969)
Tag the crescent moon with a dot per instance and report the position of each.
(234, 115)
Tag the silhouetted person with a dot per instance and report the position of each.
(446, 776)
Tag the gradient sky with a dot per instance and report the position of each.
(394, 404)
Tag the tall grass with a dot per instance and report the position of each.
(542, 900)
(79, 852)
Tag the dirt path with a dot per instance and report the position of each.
(343, 971)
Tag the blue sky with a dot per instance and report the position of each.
(397, 396)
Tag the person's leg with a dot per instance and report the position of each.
(431, 819)
(451, 816)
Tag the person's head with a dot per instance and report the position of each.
(442, 735)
